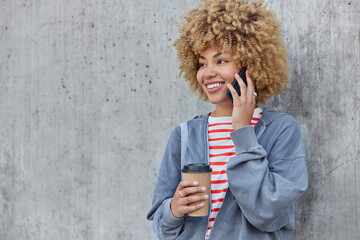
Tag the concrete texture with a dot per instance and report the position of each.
(89, 93)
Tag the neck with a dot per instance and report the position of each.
(223, 110)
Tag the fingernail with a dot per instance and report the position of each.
(228, 84)
(203, 189)
(236, 75)
(206, 196)
(201, 204)
(195, 183)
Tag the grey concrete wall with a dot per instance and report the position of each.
(89, 93)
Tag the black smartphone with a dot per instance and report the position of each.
(235, 84)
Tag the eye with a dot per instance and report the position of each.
(221, 61)
(201, 65)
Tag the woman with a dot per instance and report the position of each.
(256, 154)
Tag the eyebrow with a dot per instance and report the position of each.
(215, 56)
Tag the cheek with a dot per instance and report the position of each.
(232, 72)
(199, 76)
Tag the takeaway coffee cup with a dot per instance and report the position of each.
(202, 174)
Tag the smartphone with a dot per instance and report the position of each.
(235, 84)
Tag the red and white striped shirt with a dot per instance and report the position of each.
(221, 148)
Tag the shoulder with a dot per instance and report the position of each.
(203, 117)
(280, 124)
(195, 120)
(176, 132)
(274, 117)
(284, 136)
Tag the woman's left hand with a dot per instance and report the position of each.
(244, 104)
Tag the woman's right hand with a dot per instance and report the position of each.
(181, 200)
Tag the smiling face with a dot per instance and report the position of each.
(216, 70)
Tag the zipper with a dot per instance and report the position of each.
(208, 162)
(207, 139)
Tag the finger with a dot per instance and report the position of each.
(234, 94)
(250, 86)
(181, 193)
(189, 209)
(250, 82)
(196, 198)
(187, 183)
(191, 190)
(241, 84)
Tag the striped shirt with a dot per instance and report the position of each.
(221, 148)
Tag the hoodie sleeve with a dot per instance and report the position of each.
(267, 184)
(166, 225)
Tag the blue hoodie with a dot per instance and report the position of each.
(266, 176)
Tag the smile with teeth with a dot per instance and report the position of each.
(214, 85)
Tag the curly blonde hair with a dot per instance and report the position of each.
(246, 28)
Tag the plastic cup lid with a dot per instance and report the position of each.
(196, 168)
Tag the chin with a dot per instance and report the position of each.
(222, 100)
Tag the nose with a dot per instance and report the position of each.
(210, 73)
